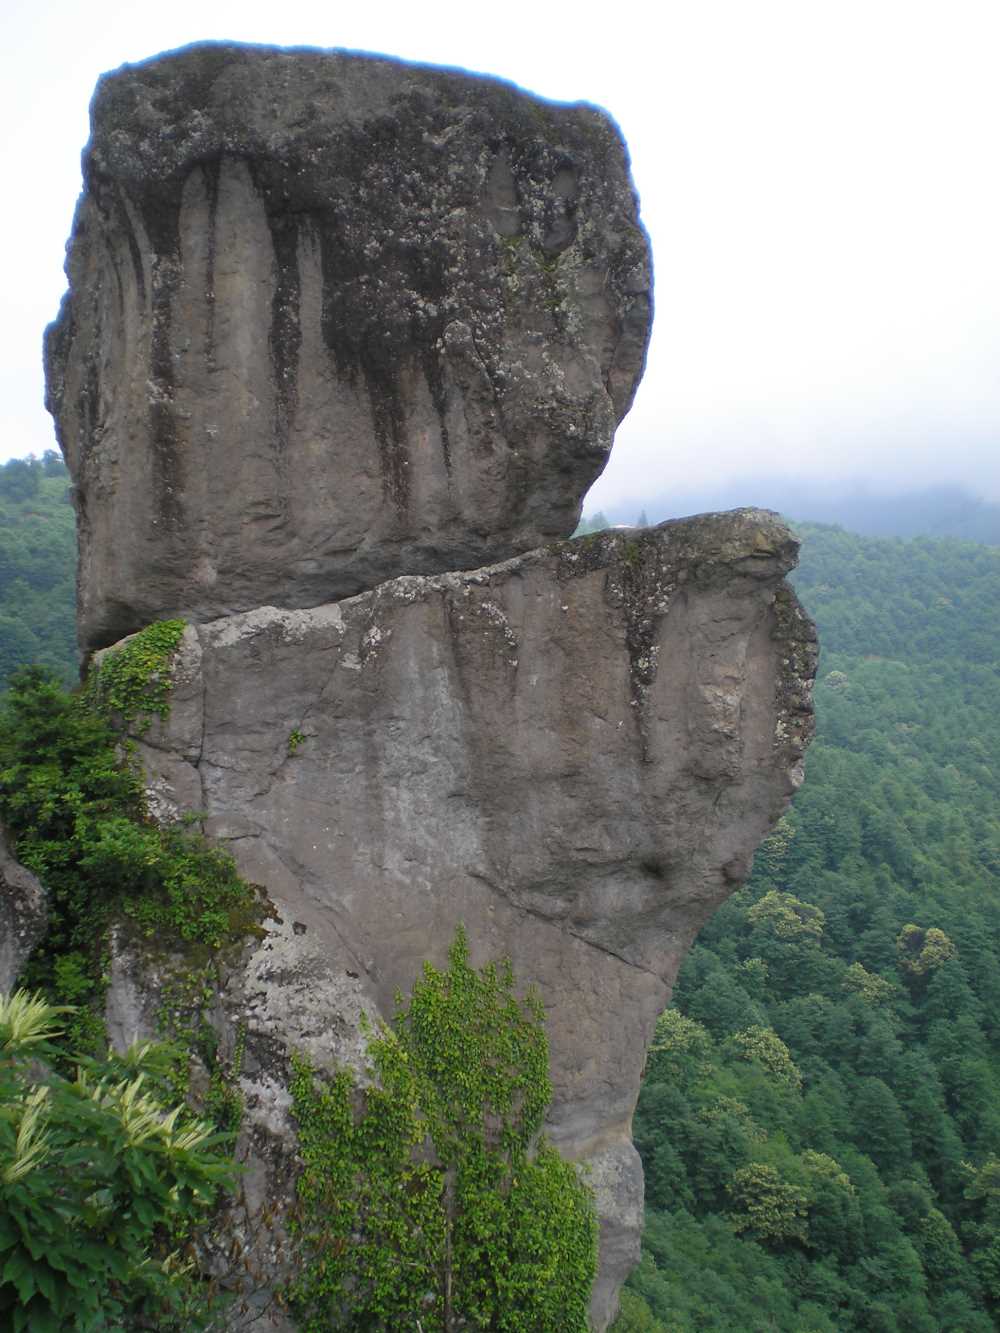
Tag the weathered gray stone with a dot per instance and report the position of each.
(331, 319)
(23, 916)
(574, 753)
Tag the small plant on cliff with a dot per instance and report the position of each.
(428, 1201)
(101, 1183)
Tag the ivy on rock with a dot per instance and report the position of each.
(428, 1200)
(134, 677)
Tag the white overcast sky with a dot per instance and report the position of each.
(820, 179)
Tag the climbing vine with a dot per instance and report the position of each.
(428, 1200)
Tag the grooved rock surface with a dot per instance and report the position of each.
(574, 752)
(332, 319)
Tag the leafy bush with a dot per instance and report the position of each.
(100, 1186)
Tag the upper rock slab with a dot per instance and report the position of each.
(331, 319)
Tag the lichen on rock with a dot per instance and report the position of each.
(23, 915)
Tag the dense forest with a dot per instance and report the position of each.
(820, 1120)
(37, 567)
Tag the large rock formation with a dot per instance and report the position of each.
(333, 319)
(338, 327)
(574, 753)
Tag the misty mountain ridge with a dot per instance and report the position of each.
(934, 511)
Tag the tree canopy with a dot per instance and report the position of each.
(820, 1120)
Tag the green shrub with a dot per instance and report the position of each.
(101, 1185)
(75, 810)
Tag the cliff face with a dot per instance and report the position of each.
(335, 324)
(574, 753)
(22, 916)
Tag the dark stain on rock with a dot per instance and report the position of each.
(654, 866)
(634, 583)
(123, 223)
(560, 210)
(439, 397)
(500, 199)
(285, 336)
(90, 402)
(210, 173)
(386, 255)
(364, 347)
(161, 219)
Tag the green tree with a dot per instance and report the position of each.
(784, 915)
(921, 951)
(881, 1126)
(437, 1202)
(765, 1047)
(766, 1206)
(635, 1316)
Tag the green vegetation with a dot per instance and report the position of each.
(134, 678)
(910, 601)
(102, 1184)
(76, 814)
(434, 1206)
(820, 1119)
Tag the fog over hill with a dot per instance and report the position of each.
(934, 511)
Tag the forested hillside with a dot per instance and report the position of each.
(37, 565)
(820, 1121)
